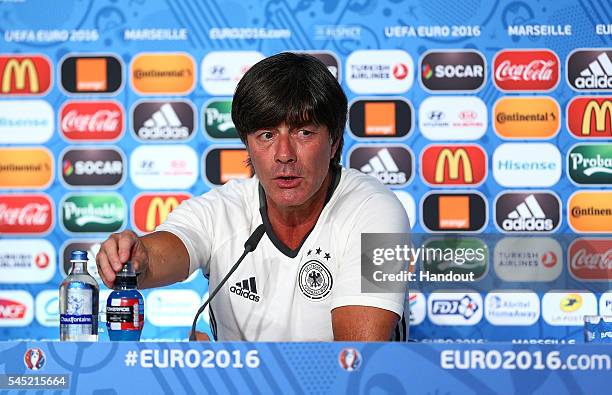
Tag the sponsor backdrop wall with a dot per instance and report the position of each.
(487, 118)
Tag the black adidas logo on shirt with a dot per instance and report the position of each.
(247, 289)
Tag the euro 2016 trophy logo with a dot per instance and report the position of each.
(34, 358)
(349, 359)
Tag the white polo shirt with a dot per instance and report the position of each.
(279, 294)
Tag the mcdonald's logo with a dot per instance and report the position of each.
(453, 165)
(150, 210)
(25, 75)
(590, 117)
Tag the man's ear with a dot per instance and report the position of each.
(334, 148)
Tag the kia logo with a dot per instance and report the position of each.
(468, 115)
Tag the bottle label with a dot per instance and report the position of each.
(126, 314)
(79, 307)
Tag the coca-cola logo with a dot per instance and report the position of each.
(91, 120)
(591, 259)
(25, 214)
(526, 70)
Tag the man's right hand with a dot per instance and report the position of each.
(117, 250)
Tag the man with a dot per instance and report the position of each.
(302, 282)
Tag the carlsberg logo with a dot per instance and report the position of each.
(93, 213)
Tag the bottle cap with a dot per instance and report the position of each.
(78, 255)
(126, 278)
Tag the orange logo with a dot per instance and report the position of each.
(25, 168)
(590, 212)
(91, 74)
(526, 117)
(163, 73)
(24, 75)
(454, 212)
(233, 165)
(379, 119)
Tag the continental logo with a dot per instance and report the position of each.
(453, 165)
(150, 210)
(163, 73)
(590, 212)
(224, 164)
(454, 212)
(590, 164)
(30, 168)
(377, 118)
(25, 75)
(590, 117)
(86, 74)
(526, 117)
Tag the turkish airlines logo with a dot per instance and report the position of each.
(590, 70)
(150, 210)
(91, 74)
(454, 212)
(380, 118)
(224, 164)
(26, 214)
(25, 75)
(528, 212)
(25, 168)
(526, 70)
(26, 261)
(590, 117)
(163, 120)
(453, 165)
(531, 259)
(92, 167)
(391, 165)
(453, 71)
(16, 308)
(91, 120)
(379, 71)
(591, 259)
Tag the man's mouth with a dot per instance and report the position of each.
(287, 181)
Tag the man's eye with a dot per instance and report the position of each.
(305, 132)
(266, 135)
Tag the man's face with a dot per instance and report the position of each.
(291, 164)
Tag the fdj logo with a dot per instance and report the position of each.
(464, 307)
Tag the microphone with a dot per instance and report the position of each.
(249, 246)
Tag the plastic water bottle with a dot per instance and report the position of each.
(125, 307)
(79, 293)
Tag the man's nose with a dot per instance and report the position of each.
(285, 151)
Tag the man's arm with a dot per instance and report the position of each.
(160, 257)
(168, 260)
(363, 323)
